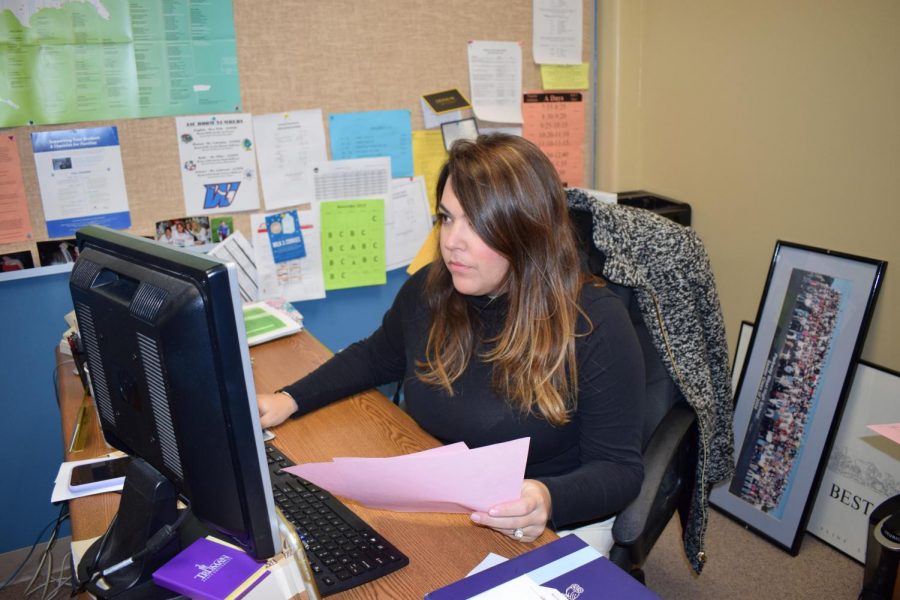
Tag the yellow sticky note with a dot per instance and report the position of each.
(426, 253)
(566, 77)
(429, 156)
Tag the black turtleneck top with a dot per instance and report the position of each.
(592, 465)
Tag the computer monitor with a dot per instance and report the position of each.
(171, 374)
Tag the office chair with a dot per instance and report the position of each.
(668, 434)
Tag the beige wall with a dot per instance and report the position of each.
(774, 119)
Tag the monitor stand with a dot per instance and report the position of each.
(149, 502)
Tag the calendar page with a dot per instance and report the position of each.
(353, 243)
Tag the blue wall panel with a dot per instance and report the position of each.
(30, 432)
(346, 316)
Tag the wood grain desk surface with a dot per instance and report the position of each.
(441, 547)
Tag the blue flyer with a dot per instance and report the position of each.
(374, 133)
(285, 236)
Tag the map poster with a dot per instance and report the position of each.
(70, 61)
(81, 179)
(218, 163)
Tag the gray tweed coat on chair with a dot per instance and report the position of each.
(667, 267)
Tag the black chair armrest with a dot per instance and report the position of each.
(632, 523)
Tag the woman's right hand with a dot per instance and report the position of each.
(275, 408)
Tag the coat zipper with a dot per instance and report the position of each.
(701, 555)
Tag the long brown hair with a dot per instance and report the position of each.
(515, 202)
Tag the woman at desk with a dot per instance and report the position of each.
(506, 337)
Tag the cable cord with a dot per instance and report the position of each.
(46, 557)
(157, 541)
(60, 581)
(56, 524)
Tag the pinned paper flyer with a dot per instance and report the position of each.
(565, 77)
(557, 32)
(285, 237)
(286, 145)
(81, 179)
(353, 252)
(445, 101)
(218, 163)
(495, 80)
(372, 134)
(555, 122)
(296, 279)
(433, 120)
(429, 157)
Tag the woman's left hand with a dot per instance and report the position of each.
(523, 520)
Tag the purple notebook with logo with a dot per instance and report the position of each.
(568, 565)
(207, 569)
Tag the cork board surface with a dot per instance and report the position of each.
(337, 55)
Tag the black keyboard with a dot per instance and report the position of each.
(343, 550)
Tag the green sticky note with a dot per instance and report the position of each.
(565, 77)
(353, 243)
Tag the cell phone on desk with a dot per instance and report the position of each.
(98, 474)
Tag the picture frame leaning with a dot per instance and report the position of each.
(809, 330)
(863, 468)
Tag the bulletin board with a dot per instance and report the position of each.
(337, 55)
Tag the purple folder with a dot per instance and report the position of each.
(568, 565)
(207, 569)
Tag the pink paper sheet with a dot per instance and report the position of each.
(446, 479)
(328, 476)
(891, 431)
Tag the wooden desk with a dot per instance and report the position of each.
(441, 547)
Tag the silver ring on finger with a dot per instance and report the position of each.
(518, 533)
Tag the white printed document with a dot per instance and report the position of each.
(353, 178)
(407, 221)
(295, 279)
(557, 26)
(218, 163)
(81, 179)
(495, 81)
(287, 143)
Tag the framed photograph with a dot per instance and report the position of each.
(863, 469)
(810, 327)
